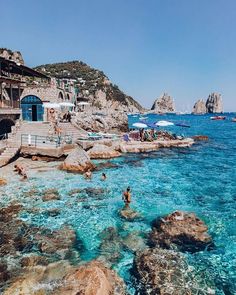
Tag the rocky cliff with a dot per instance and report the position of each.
(214, 104)
(199, 107)
(93, 85)
(164, 104)
(12, 55)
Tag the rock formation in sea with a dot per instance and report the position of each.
(77, 161)
(60, 278)
(164, 104)
(199, 107)
(101, 151)
(93, 86)
(159, 271)
(180, 231)
(213, 104)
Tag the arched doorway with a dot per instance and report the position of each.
(5, 126)
(32, 108)
(60, 96)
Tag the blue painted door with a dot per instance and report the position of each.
(32, 108)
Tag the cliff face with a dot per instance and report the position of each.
(214, 104)
(93, 85)
(164, 104)
(199, 107)
(12, 55)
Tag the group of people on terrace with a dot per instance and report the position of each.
(150, 135)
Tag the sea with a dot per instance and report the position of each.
(199, 179)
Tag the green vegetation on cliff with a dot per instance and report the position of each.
(88, 80)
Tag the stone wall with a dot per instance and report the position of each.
(50, 93)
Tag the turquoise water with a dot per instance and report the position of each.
(201, 179)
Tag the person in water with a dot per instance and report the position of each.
(127, 197)
(20, 170)
(88, 174)
(103, 177)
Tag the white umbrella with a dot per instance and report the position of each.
(164, 123)
(66, 104)
(83, 103)
(51, 105)
(140, 125)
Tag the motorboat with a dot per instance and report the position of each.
(234, 119)
(218, 118)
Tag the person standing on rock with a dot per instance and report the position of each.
(127, 197)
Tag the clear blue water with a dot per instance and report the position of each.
(200, 179)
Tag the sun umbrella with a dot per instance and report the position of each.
(83, 103)
(66, 104)
(51, 105)
(164, 123)
(140, 125)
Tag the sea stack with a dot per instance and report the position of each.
(199, 107)
(163, 104)
(214, 103)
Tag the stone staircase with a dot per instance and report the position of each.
(42, 129)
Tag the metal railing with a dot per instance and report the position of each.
(45, 141)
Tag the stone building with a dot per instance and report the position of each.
(24, 91)
(35, 95)
(13, 79)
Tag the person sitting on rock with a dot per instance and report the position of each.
(127, 197)
(103, 177)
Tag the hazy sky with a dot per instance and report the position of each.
(184, 47)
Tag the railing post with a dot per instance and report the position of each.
(35, 141)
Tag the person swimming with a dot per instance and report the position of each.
(88, 174)
(20, 170)
(127, 197)
(103, 177)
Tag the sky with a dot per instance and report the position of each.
(186, 48)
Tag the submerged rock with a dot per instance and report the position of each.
(51, 194)
(101, 151)
(56, 242)
(39, 280)
(129, 214)
(180, 230)
(33, 260)
(93, 278)
(159, 271)
(77, 161)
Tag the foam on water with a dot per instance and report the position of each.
(199, 179)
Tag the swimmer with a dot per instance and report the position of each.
(88, 174)
(103, 177)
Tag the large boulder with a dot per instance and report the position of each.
(39, 280)
(214, 103)
(93, 278)
(180, 230)
(164, 104)
(77, 161)
(159, 271)
(101, 151)
(199, 107)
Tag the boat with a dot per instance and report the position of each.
(234, 119)
(218, 118)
